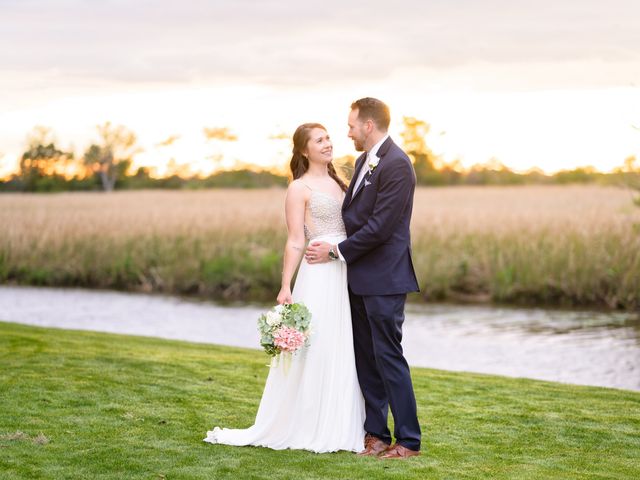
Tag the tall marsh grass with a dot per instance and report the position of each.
(533, 244)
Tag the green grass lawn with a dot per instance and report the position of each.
(84, 405)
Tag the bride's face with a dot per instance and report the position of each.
(319, 147)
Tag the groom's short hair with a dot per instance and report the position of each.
(373, 109)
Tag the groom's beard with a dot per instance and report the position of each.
(359, 144)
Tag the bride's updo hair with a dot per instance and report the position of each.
(300, 163)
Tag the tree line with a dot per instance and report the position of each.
(106, 165)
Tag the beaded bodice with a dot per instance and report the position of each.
(323, 216)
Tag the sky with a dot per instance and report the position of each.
(547, 84)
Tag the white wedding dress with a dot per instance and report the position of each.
(313, 402)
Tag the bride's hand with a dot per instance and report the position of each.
(284, 296)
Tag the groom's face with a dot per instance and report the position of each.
(357, 130)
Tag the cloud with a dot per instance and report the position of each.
(290, 42)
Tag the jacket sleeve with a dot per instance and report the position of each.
(394, 193)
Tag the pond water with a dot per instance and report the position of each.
(581, 347)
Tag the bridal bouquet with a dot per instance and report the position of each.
(284, 328)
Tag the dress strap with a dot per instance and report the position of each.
(306, 185)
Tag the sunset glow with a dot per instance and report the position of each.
(558, 98)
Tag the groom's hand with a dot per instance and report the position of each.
(317, 252)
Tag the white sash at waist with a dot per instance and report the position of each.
(333, 238)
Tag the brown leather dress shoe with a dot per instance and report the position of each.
(373, 446)
(398, 451)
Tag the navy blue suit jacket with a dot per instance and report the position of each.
(378, 245)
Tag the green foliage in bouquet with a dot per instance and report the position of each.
(294, 315)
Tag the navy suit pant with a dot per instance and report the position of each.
(383, 372)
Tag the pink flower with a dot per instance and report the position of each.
(288, 339)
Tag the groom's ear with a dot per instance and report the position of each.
(369, 125)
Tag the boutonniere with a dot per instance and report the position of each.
(373, 163)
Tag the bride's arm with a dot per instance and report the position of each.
(294, 248)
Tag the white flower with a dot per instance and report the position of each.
(273, 319)
(373, 162)
(279, 309)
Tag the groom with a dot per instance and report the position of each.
(376, 213)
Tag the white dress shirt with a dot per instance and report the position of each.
(371, 154)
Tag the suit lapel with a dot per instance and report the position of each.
(362, 184)
(382, 151)
(356, 172)
(384, 148)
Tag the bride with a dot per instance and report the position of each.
(314, 403)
